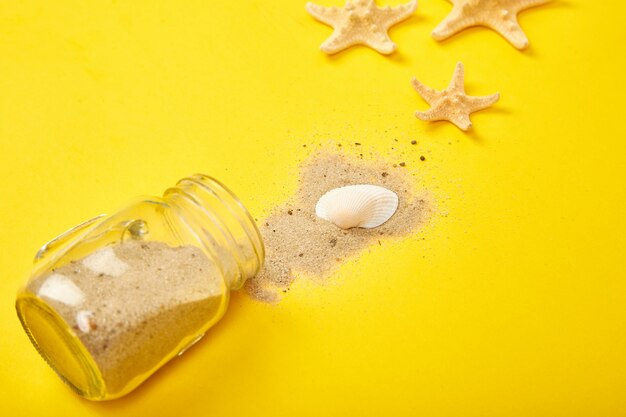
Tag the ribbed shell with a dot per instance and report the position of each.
(362, 205)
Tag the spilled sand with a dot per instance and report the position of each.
(298, 243)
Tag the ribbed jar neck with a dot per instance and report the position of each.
(222, 224)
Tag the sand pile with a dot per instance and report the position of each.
(299, 243)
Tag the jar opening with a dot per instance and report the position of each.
(224, 226)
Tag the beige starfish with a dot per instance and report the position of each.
(360, 22)
(499, 15)
(452, 104)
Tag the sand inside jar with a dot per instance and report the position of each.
(134, 303)
(298, 243)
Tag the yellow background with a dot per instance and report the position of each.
(511, 302)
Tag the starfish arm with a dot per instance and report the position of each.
(462, 121)
(393, 15)
(453, 23)
(382, 44)
(510, 30)
(329, 15)
(429, 115)
(337, 42)
(428, 94)
(479, 103)
(458, 78)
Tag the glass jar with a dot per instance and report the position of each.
(113, 299)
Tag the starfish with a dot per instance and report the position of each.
(452, 104)
(360, 22)
(499, 15)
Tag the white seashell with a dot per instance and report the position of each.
(61, 288)
(84, 321)
(105, 262)
(362, 205)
